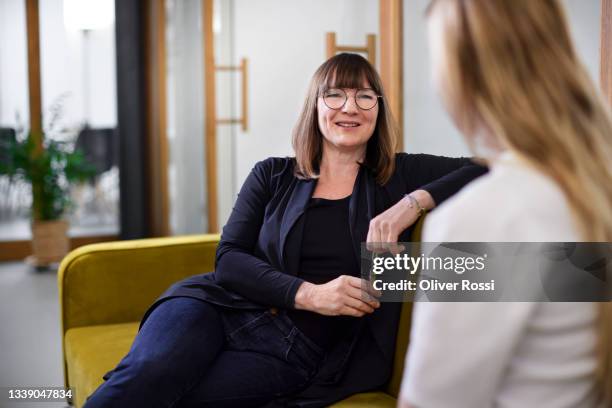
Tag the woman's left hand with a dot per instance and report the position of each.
(386, 227)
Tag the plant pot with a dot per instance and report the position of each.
(50, 242)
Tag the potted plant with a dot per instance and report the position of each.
(50, 167)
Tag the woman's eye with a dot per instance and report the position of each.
(366, 97)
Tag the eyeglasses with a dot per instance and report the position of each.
(365, 98)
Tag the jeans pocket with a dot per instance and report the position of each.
(239, 322)
(298, 354)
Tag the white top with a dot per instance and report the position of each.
(507, 355)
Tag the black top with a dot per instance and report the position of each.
(327, 253)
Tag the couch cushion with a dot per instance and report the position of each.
(367, 400)
(93, 351)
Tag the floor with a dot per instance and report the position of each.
(30, 345)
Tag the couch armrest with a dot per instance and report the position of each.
(116, 282)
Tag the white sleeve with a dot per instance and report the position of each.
(459, 351)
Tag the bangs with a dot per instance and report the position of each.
(347, 71)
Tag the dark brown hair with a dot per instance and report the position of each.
(344, 71)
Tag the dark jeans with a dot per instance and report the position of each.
(190, 353)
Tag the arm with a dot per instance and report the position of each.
(236, 266)
(429, 180)
(439, 176)
(238, 269)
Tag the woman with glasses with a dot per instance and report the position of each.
(512, 82)
(285, 318)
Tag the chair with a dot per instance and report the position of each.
(8, 136)
(100, 146)
(105, 289)
(14, 193)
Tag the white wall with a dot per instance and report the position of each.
(427, 127)
(585, 22)
(284, 41)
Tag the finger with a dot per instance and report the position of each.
(350, 311)
(391, 242)
(396, 248)
(363, 285)
(369, 239)
(390, 236)
(364, 296)
(358, 304)
(353, 281)
(369, 289)
(374, 232)
(384, 230)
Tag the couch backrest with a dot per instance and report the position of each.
(116, 282)
(403, 331)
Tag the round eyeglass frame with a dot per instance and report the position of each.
(354, 98)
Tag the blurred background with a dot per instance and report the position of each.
(152, 95)
(170, 104)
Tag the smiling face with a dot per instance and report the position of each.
(349, 127)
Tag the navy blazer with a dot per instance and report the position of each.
(258, 257)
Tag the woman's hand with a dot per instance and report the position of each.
(345, 295)
(388, 225)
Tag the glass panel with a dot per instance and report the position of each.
(78, 74)
(284, 43)
(185, 110)
(15, 196)
(228, 106)
(282, 55)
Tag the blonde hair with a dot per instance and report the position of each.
(510, 67)
(344, 71)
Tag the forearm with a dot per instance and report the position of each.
(255, 279)
(424, 199)
(444, 186)
(303, 296)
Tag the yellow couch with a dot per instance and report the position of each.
(104, 290)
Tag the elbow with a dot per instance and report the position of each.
(222, 277)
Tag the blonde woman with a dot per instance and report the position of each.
(510, 79)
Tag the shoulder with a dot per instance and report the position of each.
(403, 158)
(275, 164)
(511, 203)
(273, 167)
(272, 173)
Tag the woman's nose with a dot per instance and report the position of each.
(350, 106)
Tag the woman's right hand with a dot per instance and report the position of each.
(346, 295)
